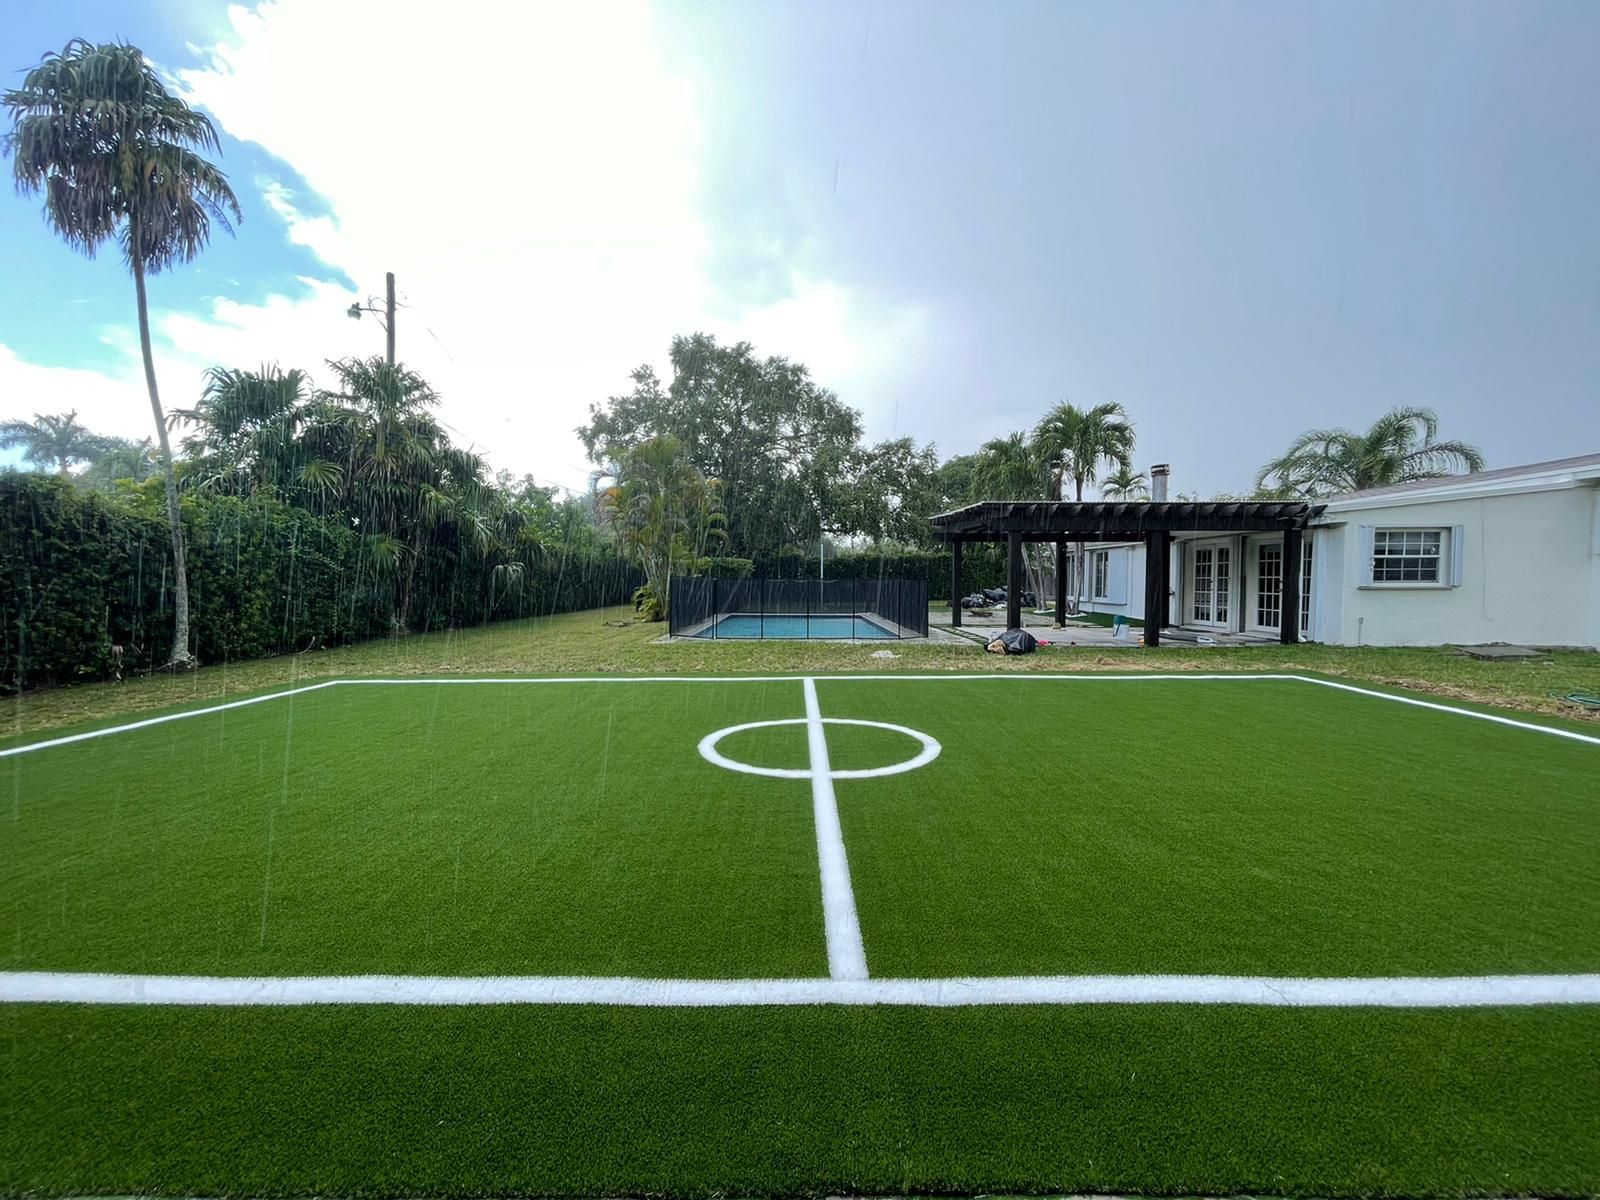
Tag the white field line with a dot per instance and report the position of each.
(1052, 677)
(847, 958)
(179, 716)
(1473, 991)
(1460, 712)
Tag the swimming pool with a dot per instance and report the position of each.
(750, 625)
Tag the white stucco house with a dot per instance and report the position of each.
(1509, 555)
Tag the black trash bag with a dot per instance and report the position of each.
(974, 601)
(995, 595)
(1013, 641)
(1029, 600)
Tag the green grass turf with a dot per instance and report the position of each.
(1067, 826)
(1238, 827)
(561, 829)
(529, 1101)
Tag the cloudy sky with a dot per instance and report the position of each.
(1237, 220)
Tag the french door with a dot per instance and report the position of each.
(1268, 606)
(1210, 584)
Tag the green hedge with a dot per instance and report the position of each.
(82, 572)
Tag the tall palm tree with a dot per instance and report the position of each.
(53, 441)
(1078, 443)
(117, 155)
(1125, 484)
(1401, 446)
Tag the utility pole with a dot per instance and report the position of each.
(356, 309)
(389, 325)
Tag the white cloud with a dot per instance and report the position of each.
(529, 172)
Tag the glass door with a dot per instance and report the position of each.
(1269, 585)
(1210, 578)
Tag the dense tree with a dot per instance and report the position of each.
(57, 441)
(782, 446)
(117, 155)
(894, 490)
(1401, 446)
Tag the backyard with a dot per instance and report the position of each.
(438, 917)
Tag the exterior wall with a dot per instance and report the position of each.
(1126, 580)
(1594, 573)
(1528, 573)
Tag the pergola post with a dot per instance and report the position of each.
(1289, 616)
(955, 583)
(1157, 559)
(1061, 585)
(1013, 581)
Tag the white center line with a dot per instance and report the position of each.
(847, 957)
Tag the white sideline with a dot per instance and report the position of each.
(847, 957)
(1053, 676)
(1473, 991)
(178, 716)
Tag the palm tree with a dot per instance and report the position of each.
(120, 458)
(1401, 446)
(117, 155)
(657, 508)
(1078, 442)
(1008, 468)
(1125, 484)
(244, 427)
(57, 441)
(375, 451)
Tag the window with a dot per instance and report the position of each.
(1102, 574)
(1305, 587)
(1407, 555)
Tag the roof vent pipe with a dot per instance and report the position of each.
(1158, 482)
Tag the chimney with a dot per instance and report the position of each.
(1158, 482)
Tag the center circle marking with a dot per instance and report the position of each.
(709, 752)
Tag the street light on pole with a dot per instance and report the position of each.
(385, 315)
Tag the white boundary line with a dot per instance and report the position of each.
(1474, 991)
(1039, 676)
(847, 957)
(178, 716)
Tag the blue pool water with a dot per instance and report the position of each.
(739, 625)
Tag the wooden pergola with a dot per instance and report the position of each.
(1062, 522)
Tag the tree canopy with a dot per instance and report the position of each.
(1401, 446)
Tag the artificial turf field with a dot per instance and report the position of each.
(1171, 841)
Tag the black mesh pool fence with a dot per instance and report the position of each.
(856, 609)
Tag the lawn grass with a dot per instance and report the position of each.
(414, 830)
(609, 641)
(1068, 826)
(378, 1102)
(1234, 827)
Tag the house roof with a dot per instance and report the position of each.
(1558, 472)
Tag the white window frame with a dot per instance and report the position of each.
(1447, 572)
(1100, 564)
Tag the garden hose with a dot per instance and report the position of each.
(1585, 699)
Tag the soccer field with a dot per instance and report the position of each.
(878, 933)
